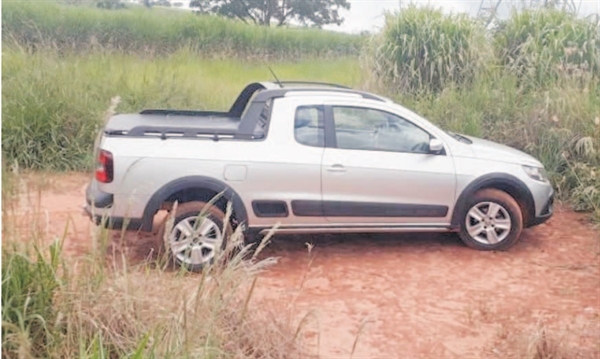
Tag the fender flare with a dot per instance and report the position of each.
(500, 181)
(193, 182)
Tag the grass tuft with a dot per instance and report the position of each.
(422, 49)
(99, 304)
(543, 45)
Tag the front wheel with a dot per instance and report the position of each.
(493, 221)
(197, 235)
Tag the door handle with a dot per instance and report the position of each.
(336, 168)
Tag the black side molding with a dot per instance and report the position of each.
(270, 209)
(302, 208)
(366, 209)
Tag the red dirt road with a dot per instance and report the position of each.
(406, 296)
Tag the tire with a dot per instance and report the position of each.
(205, 240)
(499, 230)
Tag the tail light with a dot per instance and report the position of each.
(104, 171)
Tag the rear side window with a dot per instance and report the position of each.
(260, 130)
(308, 126)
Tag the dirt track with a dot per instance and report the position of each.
(409, 296)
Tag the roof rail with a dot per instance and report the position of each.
(280, 92)
(325, 84)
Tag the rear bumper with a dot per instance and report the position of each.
(97, 207)
(97, 198)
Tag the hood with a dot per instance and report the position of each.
(493, 151)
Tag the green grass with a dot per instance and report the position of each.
(422, 49)
(541, 46)
(35, 24)
(53, 103)
(28, 289)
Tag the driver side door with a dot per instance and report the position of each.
(377, 169)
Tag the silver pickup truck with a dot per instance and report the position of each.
(310, 158)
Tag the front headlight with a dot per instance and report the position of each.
(536, 173)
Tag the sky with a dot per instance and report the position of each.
(367, 15)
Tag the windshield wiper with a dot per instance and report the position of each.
(460, 138)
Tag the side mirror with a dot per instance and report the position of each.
(435, 146)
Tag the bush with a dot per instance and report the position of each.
(424, 49)
(543, 45)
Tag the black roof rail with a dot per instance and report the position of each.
(325, 84)
(280, 92)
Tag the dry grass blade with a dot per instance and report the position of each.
(543, 346)
(361, 329)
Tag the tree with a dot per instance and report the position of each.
(165, 3)
(280, 12)
(110, 4)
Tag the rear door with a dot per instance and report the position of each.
(377, 169)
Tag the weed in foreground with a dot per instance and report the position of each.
(55, 306)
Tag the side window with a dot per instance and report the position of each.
(359, 128)
(308, 126)
(263, 120)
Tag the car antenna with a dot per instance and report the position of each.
(275, 76)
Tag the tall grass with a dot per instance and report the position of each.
(28, 288)
(99, 305)
(543, 45)
(139, 30)
(52, 103)
(425, 49)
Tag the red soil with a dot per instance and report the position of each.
(402, 296)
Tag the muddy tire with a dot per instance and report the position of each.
(492, 221)
(197, 236)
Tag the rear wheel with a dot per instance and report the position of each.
(197, 236)
(493, 221)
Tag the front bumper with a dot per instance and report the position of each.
(545, 214)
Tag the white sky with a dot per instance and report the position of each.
(368, 14)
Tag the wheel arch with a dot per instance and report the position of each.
(195, 188)
(501, 181)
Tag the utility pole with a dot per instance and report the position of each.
(488, 10)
